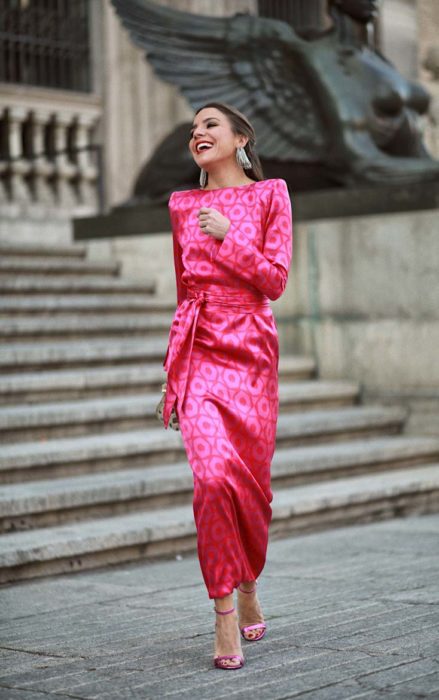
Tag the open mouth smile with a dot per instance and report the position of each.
(203, 146)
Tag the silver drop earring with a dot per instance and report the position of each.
(242, 158)
(203, 177)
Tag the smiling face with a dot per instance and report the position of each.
(212, 139)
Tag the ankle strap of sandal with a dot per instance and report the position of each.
(223, 612)
(243, 591)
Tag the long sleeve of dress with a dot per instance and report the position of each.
(178, 263)
(265, 269)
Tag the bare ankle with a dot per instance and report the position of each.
(247, 586)
(225, 603)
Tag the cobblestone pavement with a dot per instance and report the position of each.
(351, 613)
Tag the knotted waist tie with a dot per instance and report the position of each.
(183, 328)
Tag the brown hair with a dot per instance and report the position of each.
(240, 125)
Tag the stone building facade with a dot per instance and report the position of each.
(128, 110)
(362, 295)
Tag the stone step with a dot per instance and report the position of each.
(108, 304)
(42, 265)
(108, 414)
(81, 326)
(75, 250)
(303, 396)
(73, 284)
(76, 353)
(47, 502)
(67, 384)
(170, 530)
(18, 357)
(86, 453)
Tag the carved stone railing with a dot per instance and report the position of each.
(49, 157)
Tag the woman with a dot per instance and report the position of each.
(232, 252)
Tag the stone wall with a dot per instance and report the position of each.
(367, 306)
(428, 67)
(399, 35)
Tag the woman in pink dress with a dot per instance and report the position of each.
(233, 242)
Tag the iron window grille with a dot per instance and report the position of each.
(46, 43)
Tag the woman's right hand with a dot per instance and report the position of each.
(161, 404)
(214, 223)
(173, 420)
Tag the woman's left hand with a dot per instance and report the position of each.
(211, 221)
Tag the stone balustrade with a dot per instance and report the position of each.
(49, 155)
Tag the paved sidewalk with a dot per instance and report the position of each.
(351, 613)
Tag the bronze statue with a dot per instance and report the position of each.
(359, 10)
(330, 111)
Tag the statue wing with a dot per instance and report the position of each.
(256, 64)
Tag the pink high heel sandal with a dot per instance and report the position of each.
(218, 659)
(258, 627)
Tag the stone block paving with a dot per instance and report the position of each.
(352, 613)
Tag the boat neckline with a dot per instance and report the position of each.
(227, 187)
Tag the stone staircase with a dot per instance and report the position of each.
(89, 477)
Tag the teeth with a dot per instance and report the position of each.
(204, 145)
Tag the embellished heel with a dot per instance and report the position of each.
(220, 661)
(255, 631)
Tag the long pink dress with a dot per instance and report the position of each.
(222, 368)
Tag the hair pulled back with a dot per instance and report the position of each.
(240, 125)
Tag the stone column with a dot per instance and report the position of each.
(399, 35)
(65, 170)
(19, 167)
(42, 168)
(86, 160)
(428, 54)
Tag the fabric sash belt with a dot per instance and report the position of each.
(183, 328)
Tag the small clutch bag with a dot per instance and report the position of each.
(173, 420)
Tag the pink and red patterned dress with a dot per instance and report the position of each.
(222, 368)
